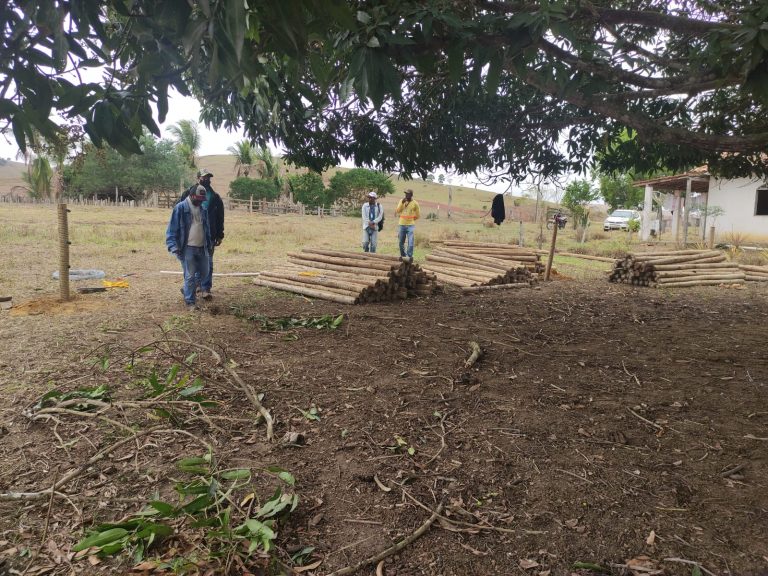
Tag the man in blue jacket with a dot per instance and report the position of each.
(188, 237)
(215, 206)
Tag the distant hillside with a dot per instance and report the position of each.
(10, 176)
(431, 194)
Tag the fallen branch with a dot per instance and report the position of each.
(476, 352)
(636, 415)
(247, 389)
(77, 471)
(392, 549)
(692, 562)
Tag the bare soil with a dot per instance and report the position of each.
(600, 425)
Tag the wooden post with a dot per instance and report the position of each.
(551, 250)
(688, 201)
(250, 205)
(645, 224)
(676, 217)
(522, 237)
(63, 253)
(711, 243)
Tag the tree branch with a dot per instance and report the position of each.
(645, 126)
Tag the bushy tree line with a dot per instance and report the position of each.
(347, 189)
(98, 171)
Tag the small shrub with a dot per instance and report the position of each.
(735, 239)
(432, 216)
(597, 235)
(449, 235)
(421, 241)
(258, 189)
(752, 257)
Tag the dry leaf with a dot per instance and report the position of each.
(94, 560)
(544, 573)
(306, 568)
(651, 538)
(572, 523)
(146, 566)
(382, 487)
(526, 564)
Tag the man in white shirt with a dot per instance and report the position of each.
(373, 214)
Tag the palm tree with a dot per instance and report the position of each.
(266, 166)
(243, 153)
(37, 179)
(187, 136)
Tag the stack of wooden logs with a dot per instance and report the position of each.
(677, 269)
(349, 277)
(754, 273)
(471, 265)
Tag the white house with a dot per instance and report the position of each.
(744, 203)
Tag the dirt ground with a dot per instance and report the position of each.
(602, 424)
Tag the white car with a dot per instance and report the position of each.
(619, 219)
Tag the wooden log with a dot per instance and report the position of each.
(481, 244)
(323, 295)
(754, 278)
(356, 291)
(456, 281)
(354, 255)
(467, 264)
(344, 273)
(469, 289)
(698, 283)
(665, 253)
(338, 261)
(684, 258)
(696, 272)
(721, 277)
(692, 266)
(347, 285)
(473, 256)
(759, 269)
(465, 274)
(336, 267)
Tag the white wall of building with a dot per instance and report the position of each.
(738, 198)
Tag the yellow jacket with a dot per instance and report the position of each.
(408, 213)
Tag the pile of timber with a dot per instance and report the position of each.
(754, 273)
(676, 269)
(349, 277)
(474, 265)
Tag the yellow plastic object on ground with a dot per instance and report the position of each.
(115, 283)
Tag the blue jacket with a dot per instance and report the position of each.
(178, 228)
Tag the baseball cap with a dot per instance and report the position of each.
(202, 173)
(372, 195)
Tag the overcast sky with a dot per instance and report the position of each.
(212, 141)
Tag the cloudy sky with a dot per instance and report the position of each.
(212, 141)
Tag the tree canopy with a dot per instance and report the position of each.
(510, 87)
(161, 167)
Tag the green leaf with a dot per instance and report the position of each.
(238, 474)
(696, 571)
(200, 503)
(163, 508)
(190, 390)
(100, 539)
(283, 474)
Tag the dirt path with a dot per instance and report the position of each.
(601, 424)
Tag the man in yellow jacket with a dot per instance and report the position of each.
(408, 211)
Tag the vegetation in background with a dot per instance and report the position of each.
(618, 192)
(310, 190)
(244, 188)
(577, 198)
(350, 188)
(98, 171)
(186, 134)
(244, 155)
